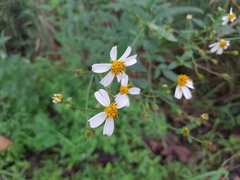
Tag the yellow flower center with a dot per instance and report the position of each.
(111, 111)
(58, 96)
(124, 89)
(222, 44)
(185, 131)
(231, 16)
(117, 67)
(182, 80)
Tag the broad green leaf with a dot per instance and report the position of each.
(3, 40)
(138, 67)
(157, 73)
(141, 83)
(198, 22)
(170, 75)
(172, 65)
(185, 10)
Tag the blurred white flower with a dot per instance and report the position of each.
(184, 83)
(109, 115)
(117, 67)
(189, 17)
(230, 17)
(124, 90)
(57, 98)
(219, 46)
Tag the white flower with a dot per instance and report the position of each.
(184, 82)
(230, 17)
(219, 46)
(124, 90)
(117, 67)
(109, 115)
(189, 17)
(57, 98)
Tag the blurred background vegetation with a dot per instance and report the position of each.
(44, 44)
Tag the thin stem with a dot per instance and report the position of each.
(86, 107)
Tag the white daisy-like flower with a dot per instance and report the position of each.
(184, 83)
(219, 46)
(124, 90)
(230, 17)
(117, 67)
(109, 115)
(57, 98)
(189, 17)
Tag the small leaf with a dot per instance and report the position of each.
(138, 67)
(172, 65)
(157, 73)
(141, 83)
(189, 139)
(170, 75)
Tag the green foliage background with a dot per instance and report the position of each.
(43, 42)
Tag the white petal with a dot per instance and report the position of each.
(131, 60)
(126, 53)
(97, 120)
(213, 45)
(113, 53)
(186, 92)
(233, 19)
(134, 90)
(102, 97)
(231, 11)
(225, 22)
(121, 76)
(220, 51)
(225, 18)
(124, 81)
(190, 84)
(108, 127)
(101, 68)
(107, 79)
(123, 101)
(178, 93)
(214, 48)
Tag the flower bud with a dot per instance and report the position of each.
(189, 17)
(204, 117)
(89, 133)
(185, 131)
(235, 53)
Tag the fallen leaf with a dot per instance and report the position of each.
(4, 143)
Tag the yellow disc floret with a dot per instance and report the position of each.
(231, 16)
(112, 111)
(183, 79)
(124, 89)
(117, 67)
(222, 44)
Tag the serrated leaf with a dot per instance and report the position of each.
(170, 75)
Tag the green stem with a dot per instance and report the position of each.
(86, 107)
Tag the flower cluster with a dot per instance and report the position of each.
(116, 68)
(222, 44)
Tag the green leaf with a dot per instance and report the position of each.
(141, 83)
(170, 75)
(172, 65)
(185, 10)
(3, 40)
(138, 67)
(189, 139)
(157, 73)
(198, 22)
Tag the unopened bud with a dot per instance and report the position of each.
(200, 76)
(137, 17)
(189, 17)
(89, 133)
(204, 116)
(78, 72)
(155, 107)
(235, 53)
(225, 76)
